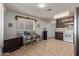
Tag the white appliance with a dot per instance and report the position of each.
(68, 33)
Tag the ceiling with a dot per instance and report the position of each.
(34, 10)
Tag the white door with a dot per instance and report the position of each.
(53, 30)
(49, 30)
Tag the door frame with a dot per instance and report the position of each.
(76, 32)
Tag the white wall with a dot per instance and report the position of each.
(40, 28)
(53, 28)
(1, 26)
(11, 32)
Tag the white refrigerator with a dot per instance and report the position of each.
(68, 33)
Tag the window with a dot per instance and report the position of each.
(26, 25)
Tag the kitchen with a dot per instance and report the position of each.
(64, 29)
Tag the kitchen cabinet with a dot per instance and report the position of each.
(12, 44)
(59, 35)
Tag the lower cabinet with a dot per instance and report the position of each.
(12, 44)
(59, 35)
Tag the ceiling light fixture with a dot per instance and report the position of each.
(49, 10)
(41, 5)
(64, 14)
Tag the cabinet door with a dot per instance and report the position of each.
(12, 44)
(59, 35)
(60, 24)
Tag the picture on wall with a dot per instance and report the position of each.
(10, 25)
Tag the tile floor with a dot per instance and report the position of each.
(50, 47)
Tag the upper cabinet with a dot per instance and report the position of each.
(61, 22)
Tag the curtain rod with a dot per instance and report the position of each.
(17, 16)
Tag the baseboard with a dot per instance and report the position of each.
(50, 37)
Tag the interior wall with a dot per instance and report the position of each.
(53, 28)
(11, 32)
(1, 26)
